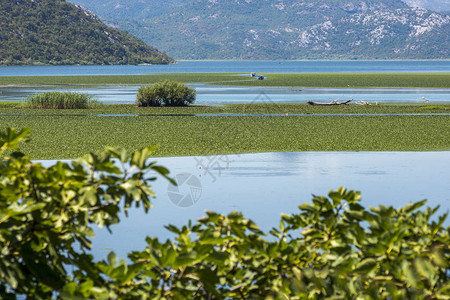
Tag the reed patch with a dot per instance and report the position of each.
(61, 100)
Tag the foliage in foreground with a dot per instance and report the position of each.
(46, 214)
(167, 92)
(333, 247)
(60, 100)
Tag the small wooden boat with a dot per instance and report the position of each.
(334, 102)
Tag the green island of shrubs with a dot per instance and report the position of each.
(162, 93)
(167, 93)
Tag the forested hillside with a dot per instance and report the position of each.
(57, 32)
(131, 9)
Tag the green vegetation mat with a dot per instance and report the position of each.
(119, 79)
(63, 134)
(354, 80)
(341, 80)
(15, 108)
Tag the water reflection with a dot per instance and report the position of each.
(265, 185)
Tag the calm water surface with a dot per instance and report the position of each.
(217, 95)
(265, 185)
(235, 67)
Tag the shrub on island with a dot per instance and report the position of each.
(167, 92)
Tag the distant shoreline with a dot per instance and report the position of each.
(229, 60)
(305, 60)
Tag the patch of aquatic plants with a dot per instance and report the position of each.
(297, 108)
(59, 137)
(61, 100)
(12, 104)
(338, 80)
(353, 80)
(17, 108)
(119, 79)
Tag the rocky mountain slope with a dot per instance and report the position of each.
(296, 29)
(57, 32)
(436, 5)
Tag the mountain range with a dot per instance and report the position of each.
(284, 29)
(58, 32)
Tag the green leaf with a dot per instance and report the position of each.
(173, 229)
(11, 138)
(414, 206)
(186, 259)
(336, 197)
(366, 266)
(307, 207)
(218, 258)
(70, 289)
(210, 280)
(425, 267)
(112, 259)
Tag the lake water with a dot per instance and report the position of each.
(217, 95)
(264, 185)
(235, 67)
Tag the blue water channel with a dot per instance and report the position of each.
(218, 95)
